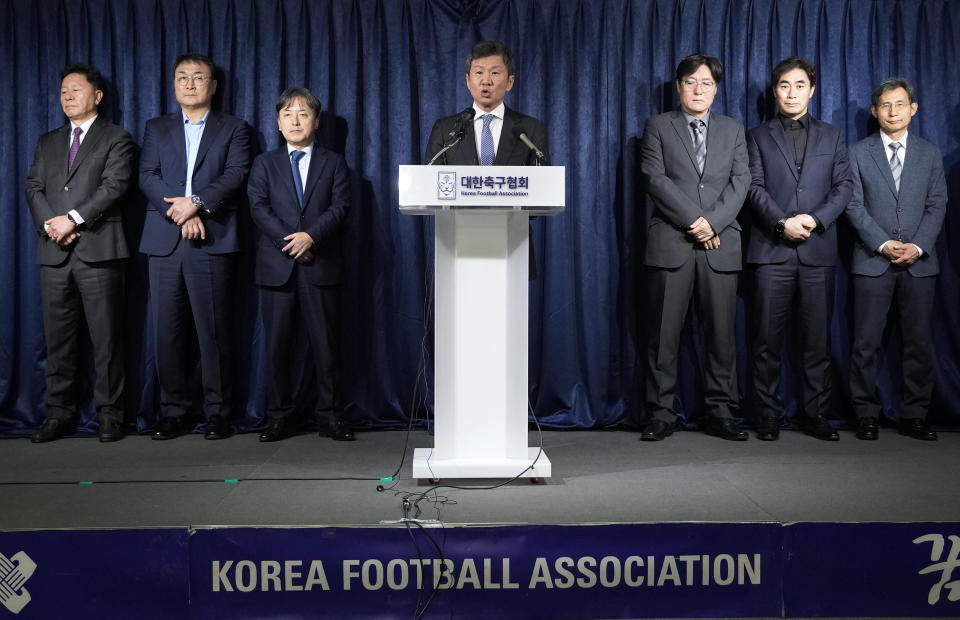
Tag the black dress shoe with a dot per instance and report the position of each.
(277, 429)
(167, 428)
(338, 431)
(656, 430)
(724, 428)
(867, 429)
(217, 428)
(110, 430)
(918, 429)
(819, 427)
(768, 429)
(51, 430)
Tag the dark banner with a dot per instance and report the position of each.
(94, 574)
(578, 571)
(872, 569)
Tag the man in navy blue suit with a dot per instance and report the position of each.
(800, 184)
(299, 195)
(192, 169)
(899, 200)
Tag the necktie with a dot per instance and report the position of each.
(896, 167)
(74, 147)
(486, 142)
(295, 157)
(699, 143)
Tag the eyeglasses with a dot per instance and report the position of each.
(691, 83)
(898, 106)
(197, 78)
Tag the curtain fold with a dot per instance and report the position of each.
(384, 72)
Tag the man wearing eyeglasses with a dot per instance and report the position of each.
(192, 169)
(899, 201)
(695, 166)
(800, 184)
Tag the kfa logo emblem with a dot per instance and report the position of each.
(446, 185)
(943, 564)
(13, 574)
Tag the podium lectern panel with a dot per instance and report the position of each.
(481, 271)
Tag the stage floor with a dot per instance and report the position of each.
(599, 477)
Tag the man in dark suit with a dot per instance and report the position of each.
(192, 169)
(299, 195)
(898, 205)
(695, 166)
(75, 190)
(488, 133)
(800, 185)
(492, 138)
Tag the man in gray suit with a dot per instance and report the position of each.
(898, 204)
(695, 166)
(75, 190)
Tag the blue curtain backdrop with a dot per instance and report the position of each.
(385, 70)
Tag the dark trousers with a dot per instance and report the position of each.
(872, 301)
(73, 292)
(798, 294)
(192, 285)
(669, 292)
(288, 310)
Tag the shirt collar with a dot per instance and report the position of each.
(202, 121)
(497, 111)
(887, 140)
(84, 126)
(689, 118)
(803, 120)
(307, 150)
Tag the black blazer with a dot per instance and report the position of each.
(510, 151)
(95, 187)
(274, 208)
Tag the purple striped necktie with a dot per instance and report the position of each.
(74, 147)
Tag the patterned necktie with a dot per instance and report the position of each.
(896, 167)
(486, 141)
(74, 147)
(699, 143)
(295, 157)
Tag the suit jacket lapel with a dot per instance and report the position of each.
(679, 123)
(179, 142)
(879, 157)
(507, 141)
(210, 131)
(89, 144)
(780, 139)
(318, 160)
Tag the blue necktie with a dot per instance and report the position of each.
(295, 157)
(486, 142)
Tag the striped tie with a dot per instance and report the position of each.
(699, 143)
(486, 142)
(896, 167)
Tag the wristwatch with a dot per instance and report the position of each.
(199, 203)
(70, 217)
(781, 224)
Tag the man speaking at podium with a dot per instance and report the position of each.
(489, 133)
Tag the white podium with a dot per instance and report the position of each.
(481, 272)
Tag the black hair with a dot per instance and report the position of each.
(198, 58)
(290, 94)
(794, 62)
(892, 83)
(693, 62)
(89, 72)
(490, 48)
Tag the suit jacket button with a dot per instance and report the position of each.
(799, 189)
(66, 188)
(701, 186)
(899, 209)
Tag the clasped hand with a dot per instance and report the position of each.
(61, 230)
(298, 247)
(900, 253)
(703, 233)
(799, 227)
